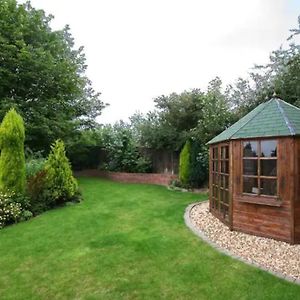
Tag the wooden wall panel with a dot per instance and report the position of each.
(297, 193)
(264, 220)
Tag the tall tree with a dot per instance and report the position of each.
(43, 76)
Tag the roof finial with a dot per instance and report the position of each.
(274, 94)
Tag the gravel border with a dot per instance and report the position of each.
(197, 231)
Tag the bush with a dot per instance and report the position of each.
(40, 196)
(60, 182)
(185, 164)
(35, 162)
(10, 211)
(198, 165)
(34, 166)
(123, 154)
(12, 159)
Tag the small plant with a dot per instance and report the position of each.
(10, 211)
(12, 159)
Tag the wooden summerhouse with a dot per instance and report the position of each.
(255, 172)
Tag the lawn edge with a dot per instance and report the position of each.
(203, 237)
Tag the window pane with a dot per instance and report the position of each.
(225, 167)
(225, 197)
(215, 153)
(250, 149)
(225, 182)
(215, 191)
(268, 187)
(268, 167)
(250, 185)
(249, 166)
(215, 166)
(224, 211)
(214, 178)
(269, 148)
(225, 152)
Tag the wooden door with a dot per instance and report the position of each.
(219, 185)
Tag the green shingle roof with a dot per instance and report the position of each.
(272, 118)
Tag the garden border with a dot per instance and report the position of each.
(163, 179)
(201, 235)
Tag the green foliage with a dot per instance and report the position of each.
(84, 149)
(12, 159)
(185, 163)
(178, 117)
(34, 166)
(60, 181)
(122, 152)
(10, 211)
(43, 75)
(199, 164)
(40, 196)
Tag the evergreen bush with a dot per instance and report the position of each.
(12, 159)
(60, 181)
(199, 165)
(185, 164)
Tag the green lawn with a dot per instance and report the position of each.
(125, 241)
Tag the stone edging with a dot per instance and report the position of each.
(200, 234)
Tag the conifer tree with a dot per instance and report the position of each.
(12, 159)
(184, 163)
(60, 179)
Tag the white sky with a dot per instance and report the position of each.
(137, 50)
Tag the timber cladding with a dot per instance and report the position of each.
(275, 216)
(264, 172)
(297, 192)
(265, 220)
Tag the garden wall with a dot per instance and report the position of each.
(150, 178)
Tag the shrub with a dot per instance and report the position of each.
(123, 154)
(12, 159)
(40, 196)
(35, 162)
(34, 166)
(198, 165)
(60, 181)
(10, 211)
(184, 163)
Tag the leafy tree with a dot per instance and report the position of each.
(43, 76)
(185, 164)
(59, 178)
(122, 151)
(12, 159)
(169, 126)
(215, 114)
(84, 148)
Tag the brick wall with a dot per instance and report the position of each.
(151, 178)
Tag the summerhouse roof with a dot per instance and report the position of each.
(272, 118)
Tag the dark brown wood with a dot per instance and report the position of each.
(258, 199)
(296, 204)
(276, 216)
(231, 164)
